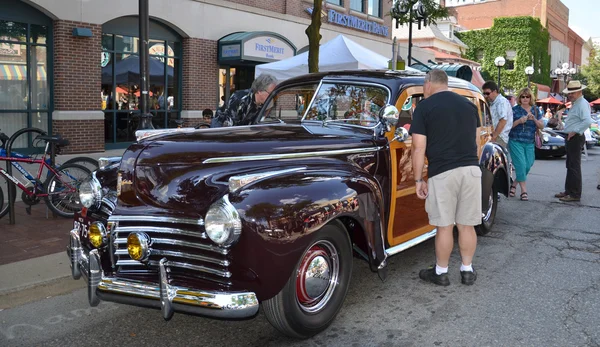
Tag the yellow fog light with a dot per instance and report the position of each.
(97, 234)
(138, 246)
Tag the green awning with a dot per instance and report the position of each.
(254, 46)
(455, 70)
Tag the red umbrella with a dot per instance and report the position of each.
(123, 91)
(595, 102)
(549, 100)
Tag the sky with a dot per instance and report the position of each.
(583, 17)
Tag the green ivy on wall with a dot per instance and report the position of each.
(524, 35)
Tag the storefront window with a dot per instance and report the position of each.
(24, 88)
(336, 2)
(121, 85)
(374, 8)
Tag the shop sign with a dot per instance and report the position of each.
(267, 48)
(105, 59)
(9, 48)
(354, 22)
(230, 51)
(159, 49)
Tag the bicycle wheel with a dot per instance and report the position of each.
(5, 185)
(89, 163)
(62, 188)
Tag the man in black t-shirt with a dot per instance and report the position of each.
(444, 128)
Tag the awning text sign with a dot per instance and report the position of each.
(267, 48)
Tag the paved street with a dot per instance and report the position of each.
(538, 285)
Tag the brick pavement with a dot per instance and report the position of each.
(32, 235)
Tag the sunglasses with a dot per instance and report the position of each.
(487, 93)
(525, 96)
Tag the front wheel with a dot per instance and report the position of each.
(87, 162)
(62, 188)
(315, 292)
(489, 216)
(5, 185)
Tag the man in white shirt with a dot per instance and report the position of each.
(502, 115)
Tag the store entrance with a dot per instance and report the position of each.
(233, 78)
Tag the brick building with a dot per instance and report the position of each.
(70, 66)
(565, 45)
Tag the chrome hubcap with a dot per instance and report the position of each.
(488, 213)
(317, 276)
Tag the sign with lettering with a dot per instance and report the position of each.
(230, 51)
(267, 48)
(356, 23)
(159, 49)
(7, 48)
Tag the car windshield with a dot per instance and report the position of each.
(354, 104)
(289, 104)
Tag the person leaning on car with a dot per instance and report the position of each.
(502, 116)
(444, 128)
(243, 106)
(578, 121)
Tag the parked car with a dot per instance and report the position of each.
(216, 221)
(553, 145)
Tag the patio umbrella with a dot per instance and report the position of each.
(127, 71)
(549, 100)
(595, 102)
(125, 91)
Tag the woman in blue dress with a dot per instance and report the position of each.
(527, 118)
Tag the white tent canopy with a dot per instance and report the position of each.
(341, 53)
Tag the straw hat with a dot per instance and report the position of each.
(574, 86)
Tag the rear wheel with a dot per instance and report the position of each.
(5, 185)
(89, 163)
(315, 292)
(63, 189)
(489, 216)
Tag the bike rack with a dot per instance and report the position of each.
(11, 199)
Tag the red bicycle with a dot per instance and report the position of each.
(60, 190)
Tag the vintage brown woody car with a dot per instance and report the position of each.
(217, 221)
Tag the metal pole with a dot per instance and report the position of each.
(144, 17)
(498, 79)
(528, 80)
(410, 18)
(11, 192)
(394, 54)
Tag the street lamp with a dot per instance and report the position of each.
(416, 13)
(529, 71)
(565, 72)
(499, 62)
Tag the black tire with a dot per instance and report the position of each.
(61, 199)
(487, 221)
(288, 313)
(5, 185)
(89, 163)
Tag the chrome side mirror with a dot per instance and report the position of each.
(390, 114)
(401, 135)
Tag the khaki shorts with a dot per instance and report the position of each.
(455, 197)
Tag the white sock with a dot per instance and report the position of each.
(440, 270)
(464, 267)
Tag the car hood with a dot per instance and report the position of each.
(194, 147)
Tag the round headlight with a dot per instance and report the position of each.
(545, 137)
(90, 192)
(223, 224)
(97, 234)
(138, 246)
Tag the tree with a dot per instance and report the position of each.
(591, 73)
(314, 37)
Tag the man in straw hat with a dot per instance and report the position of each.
(578, 121)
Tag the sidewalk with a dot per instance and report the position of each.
(33, 250)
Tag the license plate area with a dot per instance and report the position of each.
(82, 225)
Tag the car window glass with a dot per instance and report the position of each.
(289, 103)
(487, 115)
(354, 104)
(408, 108)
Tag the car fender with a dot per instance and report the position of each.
(282, 215)
(495, 169)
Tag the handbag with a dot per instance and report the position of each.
(538, 139)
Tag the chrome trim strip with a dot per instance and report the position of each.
(225, 274)
(123, 241)
(180, 255)
(290, 155)
(411, 243)
(238, 182)
(212, 304)
(162, 230)
(142, 219)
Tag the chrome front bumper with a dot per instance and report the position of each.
(164, 296)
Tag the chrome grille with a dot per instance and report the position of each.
(183, 242)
